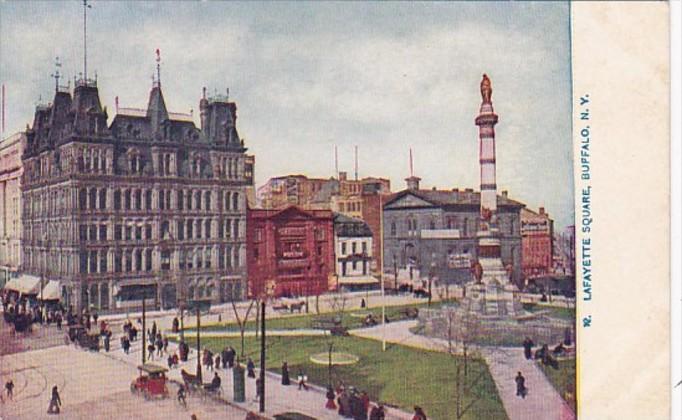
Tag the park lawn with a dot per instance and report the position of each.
(559, 312)
(401, 376)
(306, 321)
(563, 379)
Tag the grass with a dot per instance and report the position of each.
(563, 379)
(401, 376)
(558, 312)
(307, 321)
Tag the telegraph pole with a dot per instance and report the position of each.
(261, 407)
(144, 328)
(198, 343)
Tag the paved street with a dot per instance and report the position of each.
(92, 386)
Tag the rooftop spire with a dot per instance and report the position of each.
(86, 6)
(158, 68)
(56, 75)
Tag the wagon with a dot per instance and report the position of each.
(151, 383)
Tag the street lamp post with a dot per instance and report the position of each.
(395, 273)
(198, 343)
(261, 407)
(144, 328)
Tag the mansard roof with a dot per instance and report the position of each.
(350, 227)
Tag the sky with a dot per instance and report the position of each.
(307, 77)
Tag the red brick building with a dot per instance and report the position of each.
(289, 250)
(537, 231)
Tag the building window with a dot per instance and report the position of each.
(228, 257)
(165, 260)
(103, 262)
(207, 257)
(138, 200)
(129, 261)
(162, 200)
(83, 232)
(220, 201)
(207, 229)
(393, 229)
(93, 261)
(235, 202)
(102, 232)
(138, 260)
(207, 200)
(181, 230)
(197, 200)
(117, 200)
(117, 262)
(118, 233)
(343, 248)
(181, 200)
(129, 233)
(354, 248)
(103, 199)
(148, 231)
(83, 262)
(165, 229)
(228, 228)
(190, 228)
(181, 259)
(364, 247)
(92, 232)
(82, 199)
(138, 233)
(189, 200)
(127, 199)
(221, 229)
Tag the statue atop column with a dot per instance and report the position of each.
(486, 89)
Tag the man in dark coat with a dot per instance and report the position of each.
(251, 368)
(230, 357)
(521, 390)
(223, 357)
(285, 374)
(55, 402)
(528, 348)
(377, 413)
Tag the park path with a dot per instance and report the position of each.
(503, 363)
(279, 398)
(251, 333)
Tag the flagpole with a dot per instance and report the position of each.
(381, 274)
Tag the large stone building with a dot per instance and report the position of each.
(537, 239)
(290, 251)
(432, 234)
(11, 170)
(150, 205)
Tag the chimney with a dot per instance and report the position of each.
(469, 190)
(505, 193)
(433, 188)
(343, 175)
(542, 210)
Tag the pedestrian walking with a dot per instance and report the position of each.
(528, 348)
(125, 344)
(165, 344)
(285, 375)
(521, 389)
(302, 379)
(159, 344)
(107, 338)
(259, 390)
(217, 362)
(150, 350)
(55, 401)
(224, 356)
(419, 413)
(377, 413)
(251, 368)
(9, 387)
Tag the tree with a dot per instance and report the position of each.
(242, 322)
(462, 328)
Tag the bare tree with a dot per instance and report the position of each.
(462, 328)
(242, 322)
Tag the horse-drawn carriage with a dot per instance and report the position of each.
(290, 307)
(152, 381)
(192, 382)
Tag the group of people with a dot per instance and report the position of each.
(547, 356)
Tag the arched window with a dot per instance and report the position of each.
(235, 201)
(207, 200)
(82, 199)
(197, 200)
(393, 229)
(103, 198)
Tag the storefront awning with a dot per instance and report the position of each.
(358, 280)
(51, 291)
(25, 284)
